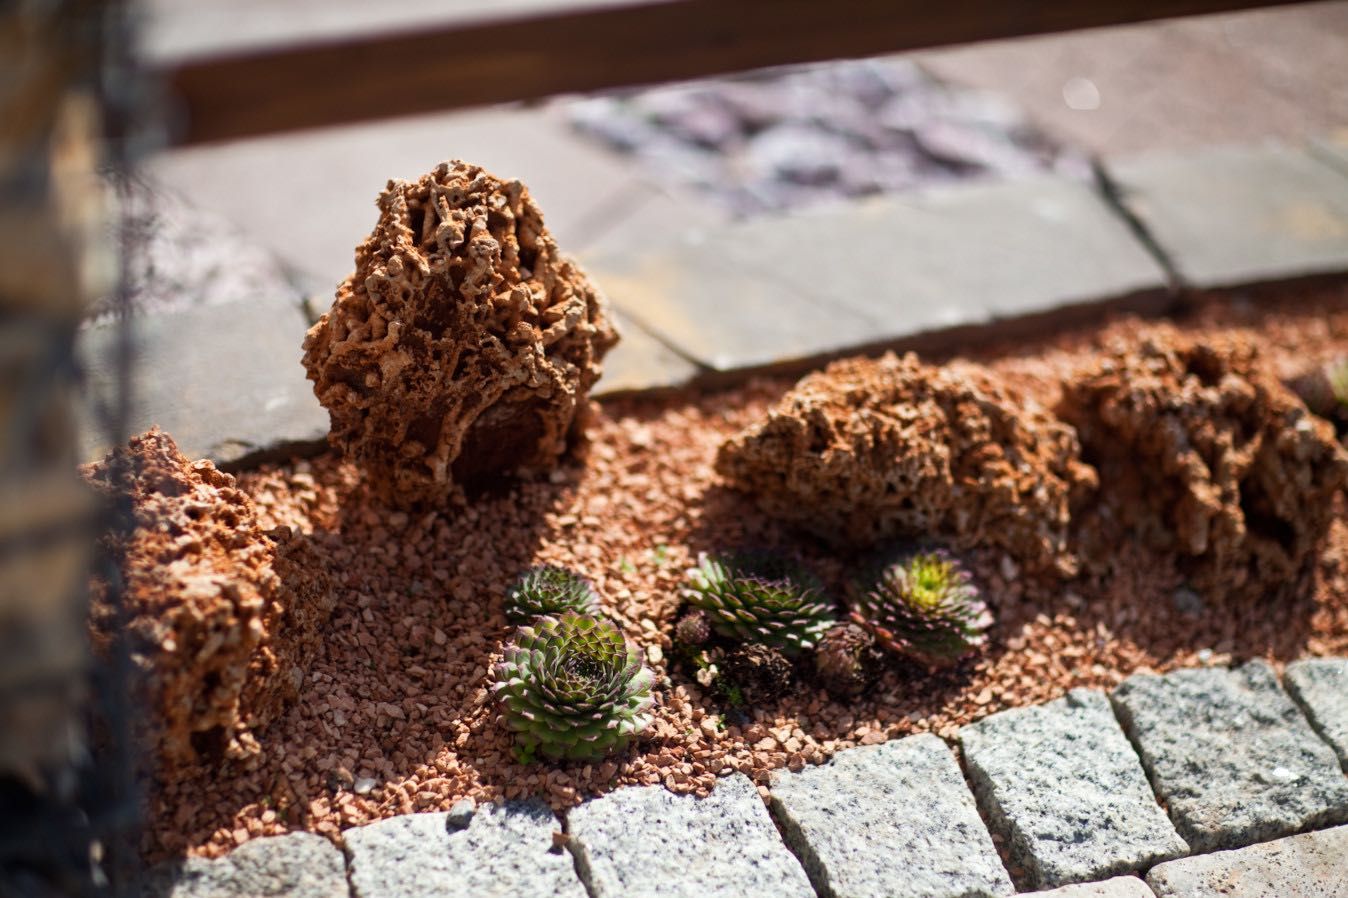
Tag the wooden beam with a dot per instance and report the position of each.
(582, 49)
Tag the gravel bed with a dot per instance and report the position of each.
(396, 716)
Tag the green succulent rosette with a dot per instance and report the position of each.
(925, 605)
(550, 590)
(762, 599)
(572, 688)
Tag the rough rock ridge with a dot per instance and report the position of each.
(1203, 452)
(463, 346)
(872, 449)
(223, 619)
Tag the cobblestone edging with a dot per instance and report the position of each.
(1229, 754)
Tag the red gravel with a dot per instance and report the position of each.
(398, 695)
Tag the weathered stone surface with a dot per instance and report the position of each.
(645, 842)
(505, 849)
(1063, 786)
(724, 309)
(1320, 687)
(640, 362)
(1311, 865)
(1230, 755)
(957, 256)
(889, 821)
(223, 618)
(1203, 452)
(298, 865)
(225, 380)
(792, 287)
(1239, 215)
(1119, 887)
(872, 449)
(463, 346)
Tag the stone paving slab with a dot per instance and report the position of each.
(1230, 755)
(1119, 887)
(1241, 215)
(224, 380)
(722, 310)
(645, 842)
(1333, 148)
(297, 865)
(1320, 687)
(889, 821)
(1312, 865)
(504, 849)
(1063, 786)
(641, 363)
(881, 271)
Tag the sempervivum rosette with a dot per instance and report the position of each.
(573, 688)
(548, 589)
(846, 660)
(760, 598)
(923, 604)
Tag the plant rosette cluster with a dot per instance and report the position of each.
(550, 590)
(1324, 390)
(924, 605)
(751, 621)
(570, 685)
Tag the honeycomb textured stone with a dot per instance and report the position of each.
(223, 618)
(463, 346)
(872, 449)
(1202, 452)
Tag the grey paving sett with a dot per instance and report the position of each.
(645, 841)
(1119, 887)
(1062, 784)
(297, 865)
(505, 850)
(1320, 687)
(1311, 865)
(889, 821)
(1231, 755)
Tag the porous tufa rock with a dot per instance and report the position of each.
(223, 619)
(1203, 452)
(463, 346)
(870, 450)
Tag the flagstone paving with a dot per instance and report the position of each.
(1230, 216)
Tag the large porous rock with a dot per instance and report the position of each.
(872, 449)
(1203, 452)
(223, 619)
(463, 346)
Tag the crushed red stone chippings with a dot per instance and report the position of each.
(395, 715)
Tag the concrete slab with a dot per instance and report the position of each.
(1231, 216)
